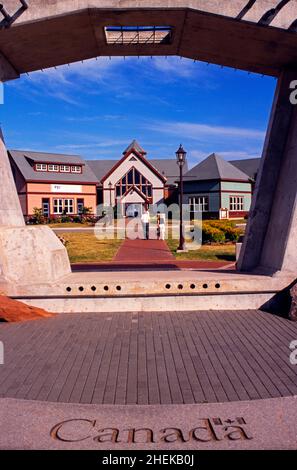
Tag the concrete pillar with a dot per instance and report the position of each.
(10, 208)
(28, 255)
(271, 237)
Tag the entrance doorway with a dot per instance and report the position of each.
(133, 209)
(46, 207)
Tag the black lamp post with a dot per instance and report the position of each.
(110, 186)
(181, 159)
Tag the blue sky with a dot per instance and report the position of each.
(96, 108)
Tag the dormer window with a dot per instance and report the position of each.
(41, 167)
(53, 168)
(76, 169)
(64, 168)
(57, 168)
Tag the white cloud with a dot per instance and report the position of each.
(92, 76)
(92, 144)
(237, 155)
(204, 131)
(197, 155)
(174, 66)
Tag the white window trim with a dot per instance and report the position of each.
(76, 169)
(53, 168)
(58, 206)
(41, 167)
(67, 206)
(198, 206)
(236, 203)
(63, 168)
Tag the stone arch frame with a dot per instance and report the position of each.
(270, 241)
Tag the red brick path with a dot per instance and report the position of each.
(148, 255)
(132, 251)
(164, 265)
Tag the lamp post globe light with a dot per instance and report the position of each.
(181, 159)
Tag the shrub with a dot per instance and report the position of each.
(38, 216)
(232, 234)
(212, 234)
(65, 218)
(226, 227)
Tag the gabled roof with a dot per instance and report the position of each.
(134, 146)
(169, 168)
(44, 157)
(142, 157)
(165, 166)
(215, 168)
(24, 160)
(249, 166)
(134, 188)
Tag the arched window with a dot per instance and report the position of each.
(136, 179)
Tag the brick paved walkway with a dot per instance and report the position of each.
(144, 265)
(149, 358)
(144, 251)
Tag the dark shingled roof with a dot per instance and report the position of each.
(249, 166)
(134, 146)
(23, 159)
(215, 168)
(101, 167)
(168, 168)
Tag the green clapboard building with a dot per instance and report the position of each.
(220, 189)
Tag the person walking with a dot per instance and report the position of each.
(160, 226)
(145, 219)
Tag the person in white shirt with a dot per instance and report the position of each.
(145, 220)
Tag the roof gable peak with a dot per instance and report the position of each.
(134, 146)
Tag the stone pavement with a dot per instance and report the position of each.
(175, 380)
(149, 358)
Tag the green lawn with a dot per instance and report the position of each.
(224, 252)
(86, 248)
(69, 225)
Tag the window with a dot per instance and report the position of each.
(236, 203)
(138, 35)
(68, 206)
(58, 206)
(149, 190)
(53, 168)
(76, 169)
(134, 179)
(41, 166)
(130, 177)
(80, 206)
(65, 168)
(63, 206)
(199, 204)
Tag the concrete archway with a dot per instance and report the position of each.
(259, 37)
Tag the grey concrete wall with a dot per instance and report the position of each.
(27, 254)
(280, 244)
(270, 241)
(42, 8)
(10, 208)
(54, 32)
